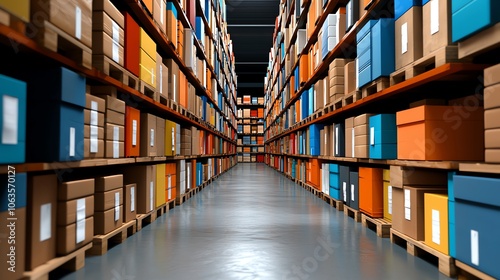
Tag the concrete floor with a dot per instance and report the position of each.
(253, 223)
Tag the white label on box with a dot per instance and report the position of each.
(474, 247)
(94, 147)
(404, 38)
(151, 195)
(45, 222)
(71, 141)
(436, 227)
(173, 139)
(175, 90)
(94, 118)
(10, 119)
(94, 106)
(344, 189)
(116, 144)
(353, 143)
(336, 140)
(389, 199)
(134, 133)
(352, 192)
(407, 205)
(116, 42)
(188, 177)
(78, 23)
(434, 16)
(372, 136)
(80, 220)
(349, 14)
(80, 231)
(132, 199)
(117, 206)
(152, 138)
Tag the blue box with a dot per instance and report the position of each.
(339, 147)
(12, 98)
(311, 100)
(54, 136)
(304, 103)
(20, 183)
(451, 215)
(334, 168)
(384, 130)
(402, 6)
(471, 16)
(364, 42)
(477, 189)
(383, 48)
(335, 194)
(171, 7)
(57, 84)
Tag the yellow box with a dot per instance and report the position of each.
(387, 205)
(19, 8)
(148, 45)
(170, 138)
(148, 69)
(436, 222)
(160, 184)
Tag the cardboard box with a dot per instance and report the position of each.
(113, 117)
(492, 76)
(408, 29)
(492, 97)
(492, 155)
(97, 153)
(407, 176)
(160, 14)
(95, 103)
(75, 189)
(144, 178)
(129, 202)
(108, 221)
(132, 132)
(362, 119)
(100, 132)
(148, 135)
(62, 13)
(162, 77)
(437, 133)
(398, 206)
(20, 247)
(111, 11)
(115, 132)
(107, 200)
(436, 25)
(103, 44)
(67, 236)
(436, 222)
(115, 149)
(361, 130)
(67, 210)
(41, 220)
(349, 77)
(102, 22)
(492, 138)
(361, 151)
(147, 44)
(413, 213)
(95, 117)
(108, 183)
(492, 118)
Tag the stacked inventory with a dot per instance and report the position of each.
(250, 129)
(388, 140)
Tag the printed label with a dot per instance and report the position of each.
(134, 133)
(474, 247)
(45, 222)
(404, 38)
(78, 23)
(71, 141)
(407, 196)
(132, 199)
(436, 227)
(434, 16)
(10, 120)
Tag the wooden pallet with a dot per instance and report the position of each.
(181, 199)
(145, 219)
(353, 213)
(72, 262)
(467, 272)
(161, 210)
(171, 204)
(115, 70)
(338, 204)
(433, 60)
(148, 90)
(351, 98)
(375, 86)
(381, 226)
(100, 242)
(59, 41)
(446, 264)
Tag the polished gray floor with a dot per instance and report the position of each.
(253, 223)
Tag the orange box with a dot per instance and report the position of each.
(304, 69)
(313, 173)
(371, 194)
(132, 44)
(436, 222)
(440, 133)
(132, 132)
(149, 5)
(183, 90)
(297, 111)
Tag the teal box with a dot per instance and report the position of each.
(383, 48)
(471, 16)
(12, 120)
(383, 136)
(13, 184)
(334, 168)
(55, 132)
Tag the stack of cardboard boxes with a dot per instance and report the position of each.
(186, 141)
(336, 76)
(162, 77)
(108, 204)
(93, 127)
(492, 114)
(108, 38)
(171, 181)
(408, 31)
(181, 178)
(148, 135)
(361, 141)
(332, 32)
(160, 14)
(147, 59)
(144, 176)
(115, 127)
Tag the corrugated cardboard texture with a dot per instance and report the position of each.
(86, 118)
(110, 129)
(76, 189)
(114, 117)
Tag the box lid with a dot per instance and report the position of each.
(107, 183)
(435, 113)
(76, 189)
(477, 189)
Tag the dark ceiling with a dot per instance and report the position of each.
(251, 26)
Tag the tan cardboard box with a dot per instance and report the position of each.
(145, 179)
(361, 130)
(107, 200)
(129, 202)
(102, 44)
(336, 89)
(492, 138)
(86, 149)
(436, 26)
(492, 97)
(108, 183)
(67, 210)
(408, 37)
(492, 155)
(160, 14)
(337, 80)
(101, 21)
(115, 104)
(492, 75)
(41, 220)
(409, 176)
(95, 102)
(361, 140)
(114, 132)
(114, 117)
(20, 246)
(362, 119)
(88, 118)
(350, 77)
(100, 131)
(492, 118)
(66, 236)
(110, 9)
(481, 42)
(148, 135)
(75, 189)
(109, 220)
(361, 151)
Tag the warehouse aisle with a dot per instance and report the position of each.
(253, 223)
